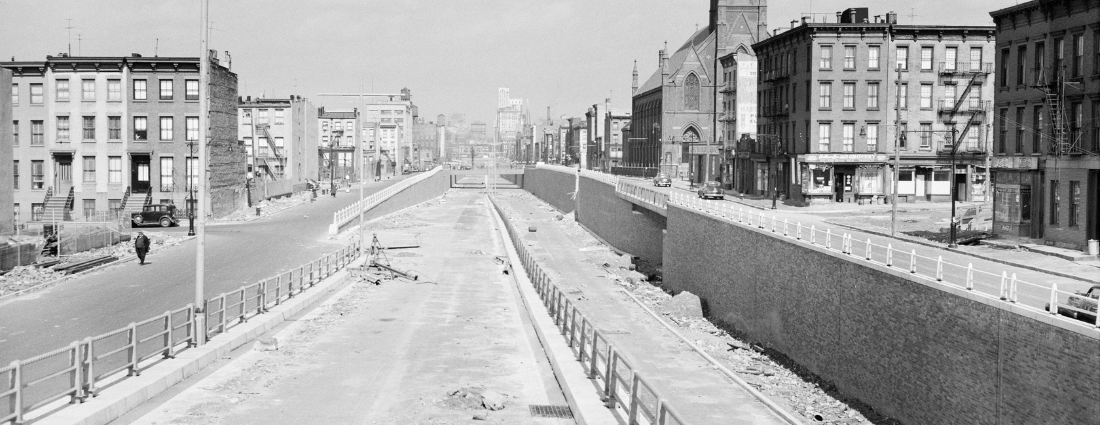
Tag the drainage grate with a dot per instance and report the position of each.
(550, 411)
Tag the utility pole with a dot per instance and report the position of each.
(204, 122)
(897, 147)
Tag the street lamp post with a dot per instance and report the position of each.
(336, 135)
(191, 191)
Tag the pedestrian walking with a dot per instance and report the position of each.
(141, 246)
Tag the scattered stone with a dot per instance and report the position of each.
(267, 344)
(684, 304)
(737, 345)
(481, 416)
(492, 400)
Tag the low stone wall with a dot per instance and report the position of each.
(619, 222)
(553, 187)
(917, 351)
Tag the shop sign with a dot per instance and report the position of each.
(1015, 162)
(844, 157)
(703, 149)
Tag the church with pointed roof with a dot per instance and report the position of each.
(675, 108)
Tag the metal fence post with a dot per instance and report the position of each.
(889, 255)
(1053, 308)
(868, 256)
(970, 276)
(1004, 286)
(939, 268)
(913, 262)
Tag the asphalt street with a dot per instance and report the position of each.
(113, 297)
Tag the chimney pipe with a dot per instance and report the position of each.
(793, 23)
(804, 18)
(839, 16)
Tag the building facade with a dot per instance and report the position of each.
(116, 129)
(838, 101)
(280, 138)
(1046, 155)
(614, 123)
(7, 170)
(394, 115)
(338, 131)
(674, 111)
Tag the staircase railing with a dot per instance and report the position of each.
(149, 197)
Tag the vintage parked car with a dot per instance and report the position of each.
(156, 214)
(711, 189)
(1085, 301)
(662, 179)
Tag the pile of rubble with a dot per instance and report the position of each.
(267, 208)
(25, 277)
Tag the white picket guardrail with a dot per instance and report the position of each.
(346, 214)
(643, 194)
(1003, 286)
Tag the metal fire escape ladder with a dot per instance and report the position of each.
(1062, 141)
(275, 173)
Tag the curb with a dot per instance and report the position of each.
(126, 394)
(975, 255)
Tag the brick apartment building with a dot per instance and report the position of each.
(336, 153)
(827, 118)
(1046, 159)
(280, 138)
(115, 131)
(7, 194)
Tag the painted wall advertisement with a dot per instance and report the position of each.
(746, 96)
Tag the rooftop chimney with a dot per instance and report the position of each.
(794, 23)
(135, 55)
(891, 18)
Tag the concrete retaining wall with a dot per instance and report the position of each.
(915, 350)
(619, 222)
(553, 187)
(426, 190)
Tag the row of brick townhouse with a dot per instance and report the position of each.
(112, 129)
(1046, 159)
(836, 98)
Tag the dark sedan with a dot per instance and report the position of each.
(662, 179)
(163, 215)
(711, 189)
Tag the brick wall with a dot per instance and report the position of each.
(619, 222)
(553, 187)
(228, 162)
(919, 352)
(7, 179)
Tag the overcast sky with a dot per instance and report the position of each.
(452, 54)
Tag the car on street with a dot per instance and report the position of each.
(711, 189)
(1081, 302)
(163, 215)
(662, 179)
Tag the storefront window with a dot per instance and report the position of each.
(906, 185)
(869, 180)
(816, 179)
(941, 182)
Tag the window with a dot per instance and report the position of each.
(826, 57)
(975, 97)
(261, 117)
(1020, 129)
(279, 147)
(1021, 59)
(36, 211)
(975, 58)
(1040, 62)
(279, 116)
(825, 95)
(192, 124)
(849, 137)
(1059, 57)
(61, 94)
(166, 174)
(192, 172)
(114, 90)
(951, 58)
(1002, 78)
(1076, 120)
(15, 94)
(1096, 126)
(115, 206)
(38, 175)
(89, 169)
(949, 93)
(62, 129)
(903, 134)
(1096, 53)
(902, 60)
(903, 96)
(141, 128)
(691, 93)
(872, 57)
(926, 58)
(849, 57)
(15, 176)
(1074, 203)
(114, 128)
(89, 207)
(263, 149)
(38, 133)
(141, 90)
(36, 94)
(166, 133)
(165, 89)
(1078, 59)
(89, 128)
(192, 89)
(87, 90)
(925, 135)
(823, 130)
(15, 132)
(849, 95)
(872, 137)
(872, 96)
(1002, 130)
(926, 96)
(1055, 199)
(1037, 130)
(114, 170)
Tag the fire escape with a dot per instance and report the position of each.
(1063, 141)
(273, 162)
(974, 74)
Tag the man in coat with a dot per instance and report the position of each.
(141, 246)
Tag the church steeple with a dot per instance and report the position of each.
(739, 22)
(634, 87)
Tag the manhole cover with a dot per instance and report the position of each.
(551, 411)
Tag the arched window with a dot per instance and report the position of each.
(691, 136)
(691, 93)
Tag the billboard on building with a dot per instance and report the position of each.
(746, 95)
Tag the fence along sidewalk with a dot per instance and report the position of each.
(1003, 286)
(77, 370)
(346, 214)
